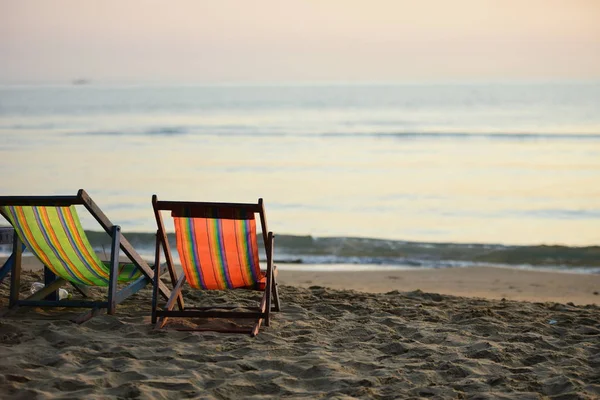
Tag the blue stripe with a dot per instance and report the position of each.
(17, 224)
(77, 250)
(248, 234)
(49, 243)
(224, 265)
(239, 254)
(194, 246)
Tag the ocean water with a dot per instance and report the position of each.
(400, 175)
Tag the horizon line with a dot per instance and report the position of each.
(90, 82)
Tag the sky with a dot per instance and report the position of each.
(208, 41)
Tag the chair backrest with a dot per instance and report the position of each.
(217, 243)
(55, 236)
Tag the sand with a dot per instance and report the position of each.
(487, 282)
(328, 342)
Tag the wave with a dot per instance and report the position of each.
(508, 136)
(235, 131)
(155, 131)
(309, 250)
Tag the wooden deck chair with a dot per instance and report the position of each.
(49, 227)
(218, 250)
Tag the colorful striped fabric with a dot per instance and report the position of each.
(219, 253)
(55, 236)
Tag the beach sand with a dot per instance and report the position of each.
(453, 338)
(487, 282)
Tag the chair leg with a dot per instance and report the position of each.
(84, 290)
(256, 328)
(156, 277)
(49, 278)
(8, 264)
(275, 291)
(275, 295)
(267, 311)
(15, 276)
(114, 270)
(270, 278)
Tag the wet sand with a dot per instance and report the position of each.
(486, 282)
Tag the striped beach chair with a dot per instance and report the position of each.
(50, 228)
(218, 250)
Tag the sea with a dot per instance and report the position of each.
(353, 176)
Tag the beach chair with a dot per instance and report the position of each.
(49, 227)
(218, 250)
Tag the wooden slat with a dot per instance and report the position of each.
(200, 206)
(161, 236)
(84, 290)
(125, 245)
(131, 289)
(63, 303)
(49, 278)
(42, 201)
(254, 331)
(269, 285)
(275, 293)
(250, 331)
(219, 307)
(114, 269)
(209, 314)
(175, 293)
(263, 223)
(156, 277)
(15, 276)
(160, 322)
(47, 290)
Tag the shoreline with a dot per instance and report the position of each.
(493, 283)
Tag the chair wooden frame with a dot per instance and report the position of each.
(48, 296)
(261, 313)
(7, 237)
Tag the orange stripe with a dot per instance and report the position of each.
(184, 249)
(204, 254)
(20, 216)
(75, 234)
(237, 271)
(214, 240)
(254, 266)
(243, 246)
(56, 243)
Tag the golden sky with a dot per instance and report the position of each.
(293, 40)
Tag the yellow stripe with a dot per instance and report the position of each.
(75, 234)
(57, 245)
(19, 215)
